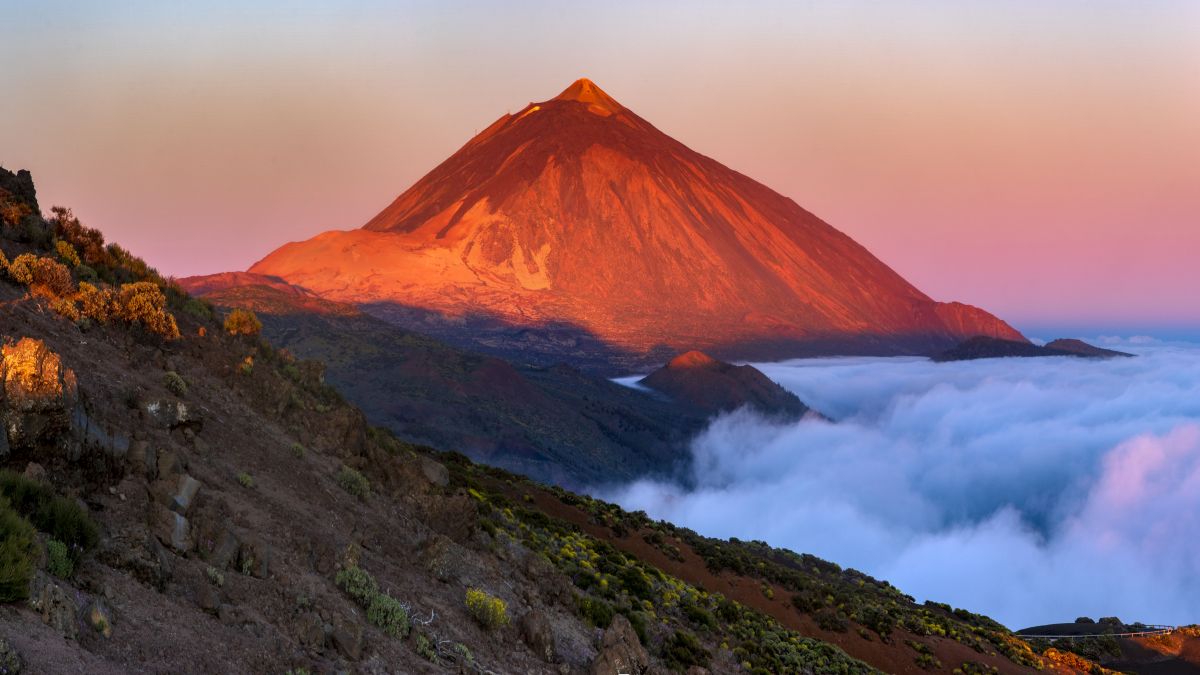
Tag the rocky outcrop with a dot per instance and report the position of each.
(38, 398)
(621, 651)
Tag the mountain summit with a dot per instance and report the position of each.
(574, 225)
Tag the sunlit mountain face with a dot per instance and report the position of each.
(577, 215)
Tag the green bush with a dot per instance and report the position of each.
(215, 575)
(491, 612)
(358, 584)
(59, 517)
(387, 613)
(353, 482)
(59, 561)
(683, 650)
(245, 479)
(597, 612)
(174, 383)
(298, 451)
(425, 649)
(17, 546)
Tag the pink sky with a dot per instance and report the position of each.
(1041, 160)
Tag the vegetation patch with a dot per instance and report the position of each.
(488, 610)
(353, 482)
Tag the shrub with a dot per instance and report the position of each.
(683, 650)
(21, 268)
(215, 575)
(65, 307)
(1085, 619)
(358, 584)
(387, 613)
(597, 612)
(245, 479)
(51, 279)
(491, 612)
(143, 303)
(425, 649)
(298, 450)
(58, 559)
(17, 541)
(353, 482)
(242, 322)
(95, 303)
(174, 383)
(67, 252)
(12, 211)
(59, 517)
(198, 308)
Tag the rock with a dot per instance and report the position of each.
(226, 551)
(10, 660)
(142, 459)
(310, 630)
(169, 464)
(208, 598)
(38, 397)
(87, 431)
(100, 618)
(435, 472)
(621, 651)
(254, 558)
(56, 606)
(536, 632)
(170, 414)
(34, 471)
(185, 494)
(347, 639)
(171, 528)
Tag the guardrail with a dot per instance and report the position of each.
(1150, 630)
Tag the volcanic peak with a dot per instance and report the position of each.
(691, 360)
(584, 90)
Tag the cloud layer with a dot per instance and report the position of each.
(1032, 490)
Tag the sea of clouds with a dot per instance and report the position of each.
(1031, 490)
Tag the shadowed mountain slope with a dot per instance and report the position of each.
(556, 424)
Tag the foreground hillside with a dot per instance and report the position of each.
(180, 496)
(575, 231)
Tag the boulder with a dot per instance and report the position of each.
(621, 651)
(537, 633)
(55, 605)
(348, 639)
(38, 396)
(435, 472)
(185, 494)
(171, 528)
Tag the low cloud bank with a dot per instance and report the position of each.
(1032, 490)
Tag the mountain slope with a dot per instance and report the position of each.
(555, 424)
(230, 498)
(577, 216)
(700, 381)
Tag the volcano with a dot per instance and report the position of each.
(574, 225)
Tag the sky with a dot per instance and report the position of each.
(1030, 490)
(1041, 160)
